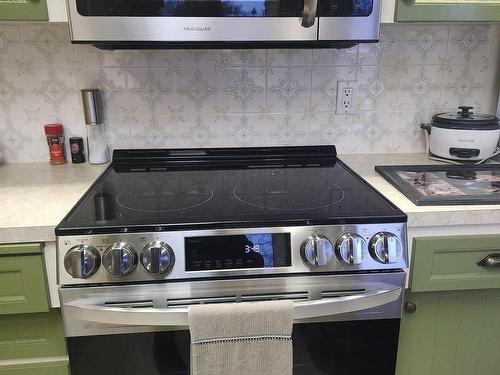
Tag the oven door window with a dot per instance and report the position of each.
(347, 348)
(190, 8)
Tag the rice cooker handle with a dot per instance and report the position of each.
(465, 110)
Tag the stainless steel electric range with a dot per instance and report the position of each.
(161, 230)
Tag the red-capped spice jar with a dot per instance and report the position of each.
(55, 140)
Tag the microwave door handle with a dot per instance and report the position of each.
(309, 13)
(92, 312)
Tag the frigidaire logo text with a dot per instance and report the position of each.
(466, 140)
(196, 28)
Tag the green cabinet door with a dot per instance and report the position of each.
(23, 285)
(447, 10)
(23, 10)
(451, 333)
(24, 336)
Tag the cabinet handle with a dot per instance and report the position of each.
(410, 307)
(491, 260)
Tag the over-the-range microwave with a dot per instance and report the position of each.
(111, 24)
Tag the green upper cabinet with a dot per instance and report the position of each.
(447, 10)
(23, 10)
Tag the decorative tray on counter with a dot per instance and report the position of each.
(439, 185)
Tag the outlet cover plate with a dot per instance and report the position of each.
(345, 97)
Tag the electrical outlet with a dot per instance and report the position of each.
(345, 97)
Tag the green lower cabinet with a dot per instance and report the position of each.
(451, 333)
(23, 10)
(50, 368)
(23, 282)
(32, 335)
(33, 344)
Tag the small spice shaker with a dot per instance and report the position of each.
(97, 150)
(55, 140)
(77, 150)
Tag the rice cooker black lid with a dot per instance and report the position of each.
(465, 119)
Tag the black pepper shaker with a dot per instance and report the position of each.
(77, 151)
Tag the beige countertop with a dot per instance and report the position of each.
(34, 197)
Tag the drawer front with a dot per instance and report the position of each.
(32, 335)
(49, 368)
(23, 286)
(21, 248)
(23, 10)
(450, 263)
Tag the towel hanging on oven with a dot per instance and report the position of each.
(241, 338)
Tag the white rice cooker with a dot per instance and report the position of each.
(463, 136)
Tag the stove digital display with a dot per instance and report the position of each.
(263, 250)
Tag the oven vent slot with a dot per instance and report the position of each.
(185, 302)
(341, 293)
(138, 170)
(294, 296)
(268, 166)
(130, 304)
(157, 169)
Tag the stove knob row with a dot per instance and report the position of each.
(351, 248)
(120, 259)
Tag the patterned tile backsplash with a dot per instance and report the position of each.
(210, 98)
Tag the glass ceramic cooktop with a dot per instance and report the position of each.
(190, 199)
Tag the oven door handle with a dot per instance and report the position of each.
(89, 310)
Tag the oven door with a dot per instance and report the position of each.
(354, 20)
(192, 20)
(345, 324)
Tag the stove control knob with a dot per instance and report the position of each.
(82, 261)
(386, 248)
(119, 259)
(157, 257)
(351, 248)
(317, 251)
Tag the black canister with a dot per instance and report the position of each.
(77, 150)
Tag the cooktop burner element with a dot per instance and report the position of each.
(163, 201)
(283, 194)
